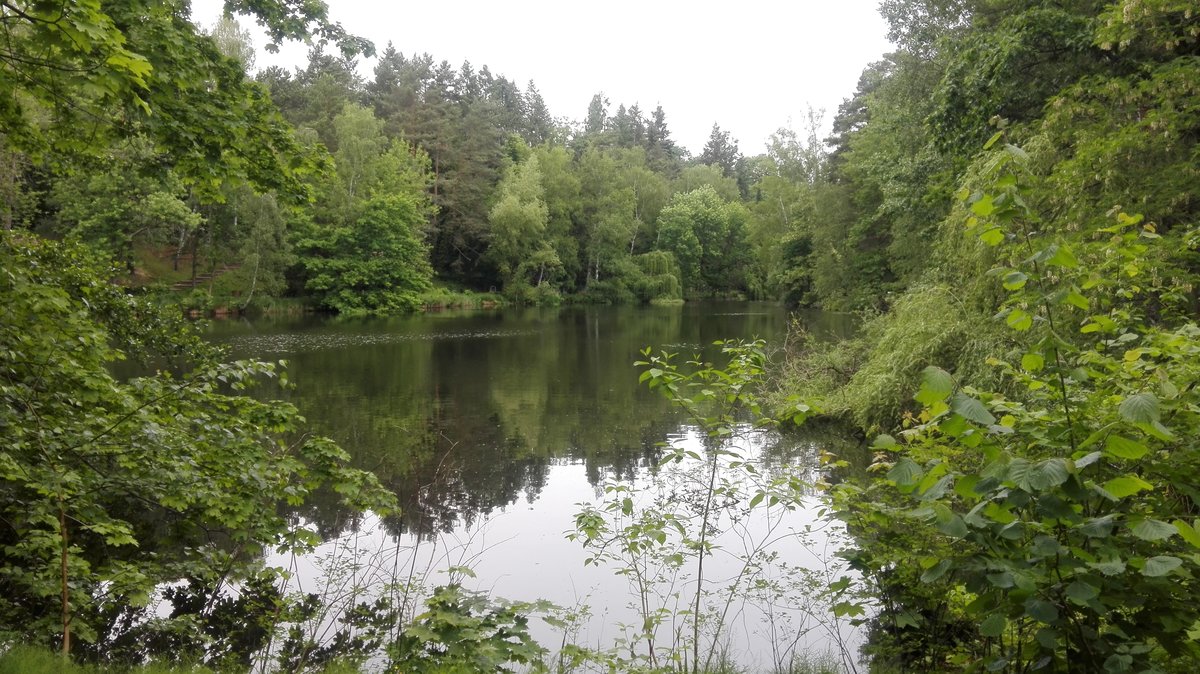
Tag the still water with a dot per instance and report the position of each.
(494, 428)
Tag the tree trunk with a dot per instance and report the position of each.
(195, 251)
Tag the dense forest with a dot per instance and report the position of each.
(375, 190)
(1010, 199)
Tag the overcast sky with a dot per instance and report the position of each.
(751, 66)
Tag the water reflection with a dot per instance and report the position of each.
(491, 427)
(462, 413)
(520, 552)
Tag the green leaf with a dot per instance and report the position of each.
(1098, 527)
(1153, 530)
(1032, 362)
(1081, 592)
(1076, 300)
(971, 409)
(1087, 460)
(1110, 566)
(1187, 532)
(844, 609)
(984, 206)
(1124, 448)
(1041, 610)
(1048, 638)
(937, 489)
(1117, 663)
(1045, 546)
(1019, 320)
(993, 625)
(964, 486)
(949, 522)
(992, 237)
(1126, 485)
(936, 571)
(1140, 408)
(1063, 257)
(1002, 580)
(1156, 430)
(906, 472)
(1039, 476)
(1161, 565)
(909, 619)
(1015, 280)
(1016, 152)
(936, 384)
(884, 441)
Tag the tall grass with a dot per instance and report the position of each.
(32, 660)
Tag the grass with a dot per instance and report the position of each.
(32, 660)
(447, 298)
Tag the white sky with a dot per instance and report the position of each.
(751, 66)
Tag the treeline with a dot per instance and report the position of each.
(367, 193)
(517, 201)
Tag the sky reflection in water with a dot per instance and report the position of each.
(493, 428)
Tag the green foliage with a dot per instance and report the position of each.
(440, 297)
(518, 222)
(1127, 140)
(1060, 514)
(606, 215)
(117, 204)
(32, 660)
(363, 251)
(782, 221)
(659, 279)
(464, 631)
(561, 185)
(95, 467)
(1009, 69)
(872, 233)
(261, 246)
(375, 265)
(78, 75)
(661, 536)
(700, 175)
(707, 237)
(721, 152)
(928, 325)
(1035, 509)
(369, 164)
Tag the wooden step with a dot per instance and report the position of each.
(201, 279)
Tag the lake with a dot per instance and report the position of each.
(495, 428)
